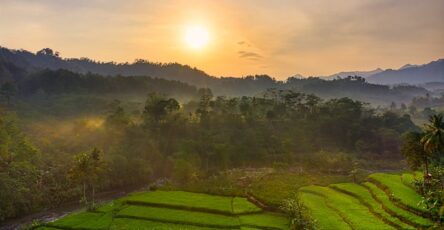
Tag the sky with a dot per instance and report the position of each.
(276, 37)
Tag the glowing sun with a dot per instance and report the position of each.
(196, 37)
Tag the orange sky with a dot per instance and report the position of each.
(280, 38)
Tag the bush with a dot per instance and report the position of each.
(298, 214)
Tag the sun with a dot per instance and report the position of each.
(196, 37)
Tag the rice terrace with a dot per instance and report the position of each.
(227, 114)
(385, 201)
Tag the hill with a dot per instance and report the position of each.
(49, 59)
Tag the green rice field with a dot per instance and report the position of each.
(173, 210)
(385, 201)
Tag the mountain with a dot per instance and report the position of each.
(411, 74)
(49, 59)
(406, 66)
(363, 74)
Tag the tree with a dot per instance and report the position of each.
(413, 150)
(86, 170)
(116, 115)
(8, 90)
(433, 140)
(157, 108)
(206, 96)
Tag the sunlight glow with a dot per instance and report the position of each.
(196, 37)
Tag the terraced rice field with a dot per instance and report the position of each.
(169, 210)
(386, 201)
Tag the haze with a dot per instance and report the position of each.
(280, 38)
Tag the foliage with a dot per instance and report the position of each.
(431, 187)
(413, 150)
(86, 169)
(8, 90)
(298, 214)
(433, 141)
(20, 181)
(433, 193)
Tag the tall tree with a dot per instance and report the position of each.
(433, 140)
(86, 169)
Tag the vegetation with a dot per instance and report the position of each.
(195, 201)
(431, 159)
(398, 190)
(364, 206)
(299, 215)
(394, 210)
(183, 215)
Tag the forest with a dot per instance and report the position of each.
(184, 141)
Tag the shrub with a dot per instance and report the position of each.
(298, 214)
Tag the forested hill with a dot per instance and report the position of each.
(49, 59)
(20, 66)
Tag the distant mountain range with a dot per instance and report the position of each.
(363, 74)
(411, 74)
(424, 75)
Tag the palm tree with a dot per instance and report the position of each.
(433, 139)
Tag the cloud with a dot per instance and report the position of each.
(249, 55)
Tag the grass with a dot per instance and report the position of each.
(173, 210)
(241, 205)
(264, 220)
(179, 216)
(382, 197)
(274, 188)
(187, 200)
(134, 224)
(410, 178)
(84, 220)
(399, 191)
(350, 209)
(364, 195)
(324, 216)
(110, 206)
(46, 228)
